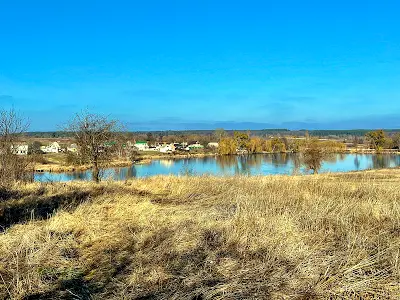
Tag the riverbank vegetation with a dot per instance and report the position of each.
(96, 142)
(271, 237)
(243, 142)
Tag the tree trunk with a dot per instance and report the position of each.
(96, 173)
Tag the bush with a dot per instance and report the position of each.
(14, 168)
(256, 145)
(74, 159)
(313, 156)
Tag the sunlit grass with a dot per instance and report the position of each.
(273, 237)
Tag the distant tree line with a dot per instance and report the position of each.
(261, 132)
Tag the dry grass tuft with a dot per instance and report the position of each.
(275, 237)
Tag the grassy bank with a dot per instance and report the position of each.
(274, 237)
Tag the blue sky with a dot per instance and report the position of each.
(203, 64)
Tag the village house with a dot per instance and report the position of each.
(195, 146)
(141, 146)
(20, 149)
(168, 148)
(72, 148)
(52, 148)
(213, 145)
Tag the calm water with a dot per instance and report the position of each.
(259, 164)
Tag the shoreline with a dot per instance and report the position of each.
(147, 159)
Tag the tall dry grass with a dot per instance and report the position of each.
(275, 237)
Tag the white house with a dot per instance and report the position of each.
(20, 149)
(73, 148)
(141, 146)
(213, 145)
(167, 148)
(52, 148)
(195, 146)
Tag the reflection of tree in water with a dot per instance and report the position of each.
(207, 159)
(333, 158)
(246, 162)
(296, 163)
(241, 164)
(120, 173)
(357, 163)
(396, 160)
(280, 159)
(267, 159)
(131, 173)
(380, 161)
(254, 160)
(226, 161)
(86, 175)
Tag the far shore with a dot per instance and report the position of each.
(149, 157)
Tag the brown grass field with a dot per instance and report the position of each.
(331, 236)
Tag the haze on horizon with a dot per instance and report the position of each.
(175, 65)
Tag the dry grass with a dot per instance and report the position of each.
(275, 237)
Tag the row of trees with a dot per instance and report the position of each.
(378, 140)
(243, 142)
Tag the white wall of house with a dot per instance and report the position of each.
(213, 145)
(52, 148)
(72, 148)
(20, 149)
(167, 148)
(195, 146)
(142, 146)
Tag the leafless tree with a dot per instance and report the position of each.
(220, 133)
(93, 134)
(12, 127)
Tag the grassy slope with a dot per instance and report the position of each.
(273, 237)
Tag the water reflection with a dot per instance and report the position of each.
(259, 164)
(380, 161)
(357, 163)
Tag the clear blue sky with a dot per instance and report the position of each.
(203, 64)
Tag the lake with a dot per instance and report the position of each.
(256, 164)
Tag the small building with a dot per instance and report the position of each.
(52, 148)
(153, 148)
(141, 146)
(169, 148)
(72, 148)
(195, 146)
(213, 145)
(20, 149)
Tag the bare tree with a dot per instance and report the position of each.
(220, 133)
(12, 127)
(94, 135)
